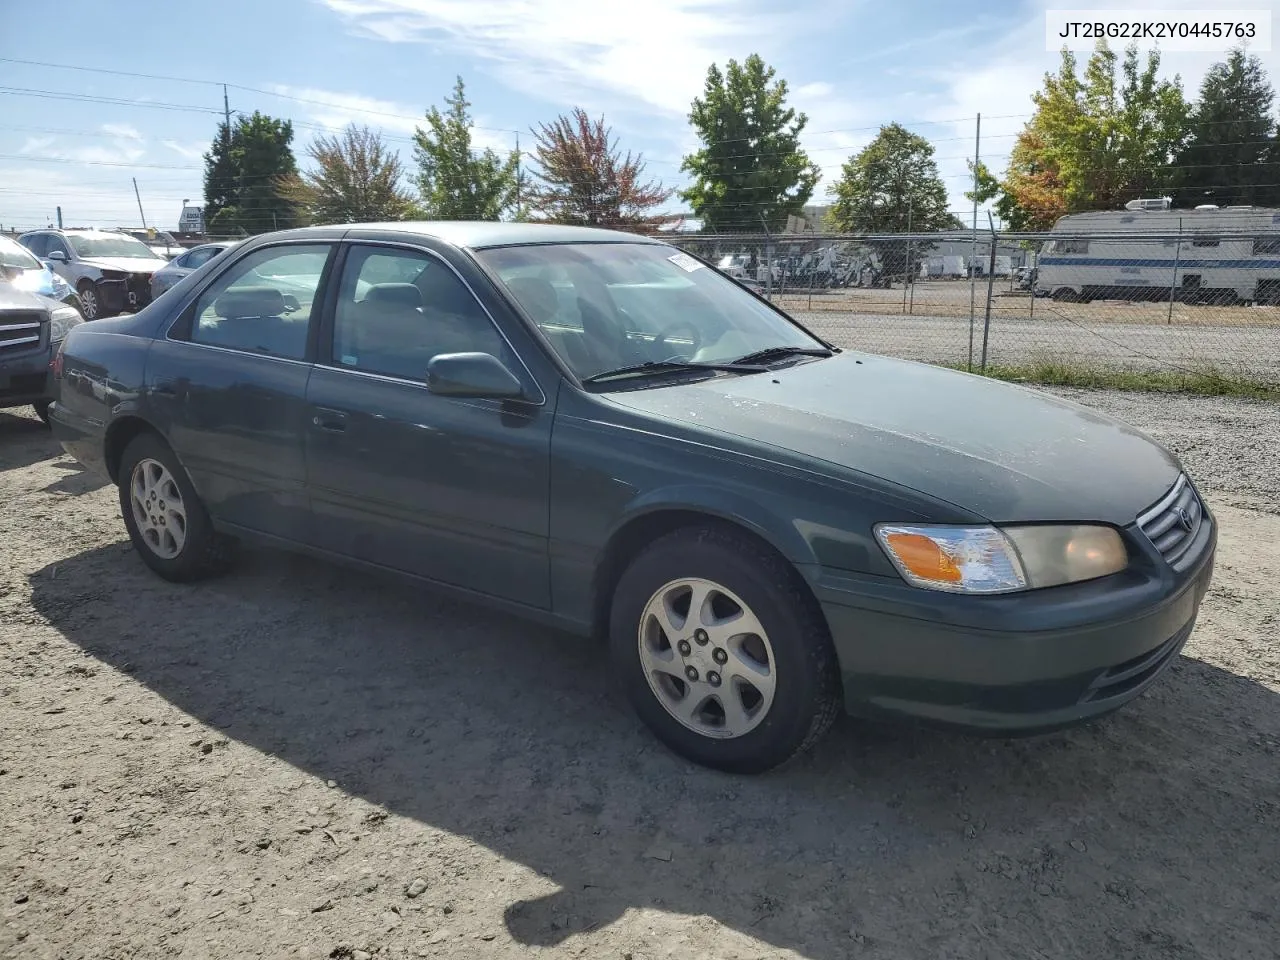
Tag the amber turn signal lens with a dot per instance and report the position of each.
(923, 557)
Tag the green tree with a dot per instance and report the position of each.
(1231, 156)
(584, 179)
(243, 173)
(750, 171)
(1094, 142)
(457, 182)
(221, 177)
(356, 179)
(890, 186)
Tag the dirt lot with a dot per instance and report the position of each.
(299, 761)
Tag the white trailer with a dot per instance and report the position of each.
(939, 267)
(1150, 252)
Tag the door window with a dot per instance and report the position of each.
(38, 244)
(198, 257)
(56, 245)
(263, 302)
(397, 309)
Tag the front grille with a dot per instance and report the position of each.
(20, 331)
(1172, 524)
(1132, 674)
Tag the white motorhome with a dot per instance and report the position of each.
(1149, 252)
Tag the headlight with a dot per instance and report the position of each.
(991, 560)
(60, 287)
(63, 319)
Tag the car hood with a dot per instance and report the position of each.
(44, 282)
(126, 264)
(1006, 453)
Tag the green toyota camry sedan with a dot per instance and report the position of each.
(599, 431)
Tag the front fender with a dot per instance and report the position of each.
(721, 503)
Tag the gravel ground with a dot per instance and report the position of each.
(300, 761)
(1252, 352)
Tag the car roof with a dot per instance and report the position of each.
(477, 234)
(79, 233)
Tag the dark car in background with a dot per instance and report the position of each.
(111, 272)
(32, 328)
(603, 433)
(187, 263)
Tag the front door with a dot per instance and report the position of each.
(446, 488)
(228, 387)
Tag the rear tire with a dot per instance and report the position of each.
(167, 522)
(41, 407)
(765, 644)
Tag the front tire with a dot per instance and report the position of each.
(90, 302)
(167, 522)
(722, 650)
(41, 407)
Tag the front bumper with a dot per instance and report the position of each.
(25, 379)
(1016, 664)
(131, 293)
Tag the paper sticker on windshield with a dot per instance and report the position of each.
(685, 262)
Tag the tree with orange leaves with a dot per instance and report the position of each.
(584, 179)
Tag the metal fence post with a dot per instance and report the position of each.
(973, 249)
(991, 280)
(1173, 281)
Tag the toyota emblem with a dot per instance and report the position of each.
(1184, 518)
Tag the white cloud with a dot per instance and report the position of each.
(37, 145)
(333, 110)
(121, 131)
(580, 50)
(194, 150)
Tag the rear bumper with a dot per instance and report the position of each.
(81, 438)
(1041, 661)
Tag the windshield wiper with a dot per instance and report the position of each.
(657, 366)
(780, 353)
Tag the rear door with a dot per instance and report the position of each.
(229, 384)
(446, 488)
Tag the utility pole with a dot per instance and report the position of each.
(139, 196)
(226, 113)
(59, 218)
(519, 178)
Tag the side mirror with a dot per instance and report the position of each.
(480, 375)
(57, 256)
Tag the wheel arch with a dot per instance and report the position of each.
(122, 431)
(657, 517)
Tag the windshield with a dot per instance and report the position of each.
(108, 246)
(16, 256)
(607, 305)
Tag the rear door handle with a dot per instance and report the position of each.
(331, 421)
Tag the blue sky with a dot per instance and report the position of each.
(851, 65)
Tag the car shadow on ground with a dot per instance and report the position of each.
(483, 726)
(24, 440)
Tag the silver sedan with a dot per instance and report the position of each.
(183, 264)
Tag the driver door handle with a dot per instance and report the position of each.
(330, 421)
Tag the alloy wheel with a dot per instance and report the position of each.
(89, 303)
(158, 510)
(707, 658)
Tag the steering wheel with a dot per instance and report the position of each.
(663, 339)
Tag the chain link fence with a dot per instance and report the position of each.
(1088, 302)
